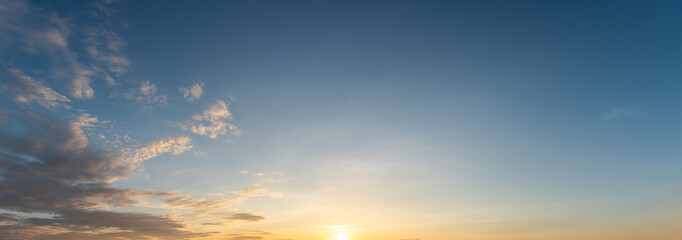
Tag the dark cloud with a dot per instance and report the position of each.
(43, 171)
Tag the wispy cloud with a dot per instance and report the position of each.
(193, 92)
(27, 90)
(187, 202)
(32, 29)
(618, 113)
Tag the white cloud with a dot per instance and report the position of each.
(192, 93)
(213, 122)
(27, 90)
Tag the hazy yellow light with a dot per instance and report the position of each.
(341, 236)
(340, 232)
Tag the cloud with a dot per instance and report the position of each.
(81, 88)
(245, 238)
(186, 202)
(49, 166)
(146, 95)
(173, 145)
(105, 46)
(213, 122)
(79, 141)
(192, 93)
(56, 182)
(59, 42)
(112, 225)
(258, 192)
(44, 34)
(247, 217)
(618, 113)
(27, 90)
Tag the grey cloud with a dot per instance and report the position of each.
(247, 217)
(41, 171)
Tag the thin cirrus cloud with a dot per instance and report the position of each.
(193, 92)
(618, 113)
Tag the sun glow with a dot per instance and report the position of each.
(341, 236)
(340, 232)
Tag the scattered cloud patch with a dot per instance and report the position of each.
(213, 122)
(193, 92)
(146, 96)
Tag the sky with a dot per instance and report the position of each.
(340, 120)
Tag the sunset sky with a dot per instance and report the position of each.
(341, 120)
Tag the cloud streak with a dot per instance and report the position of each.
(26, 90)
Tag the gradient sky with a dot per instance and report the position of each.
(341, 120)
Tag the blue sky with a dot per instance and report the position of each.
(341, 120)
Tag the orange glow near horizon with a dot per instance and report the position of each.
(340, 232)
